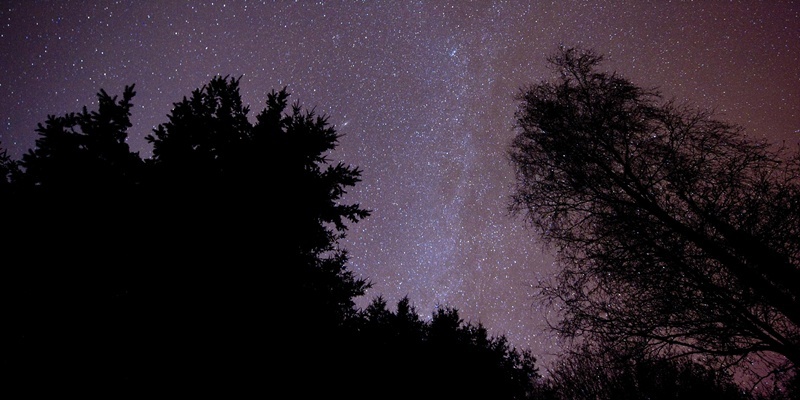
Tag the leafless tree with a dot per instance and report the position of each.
(676, 232)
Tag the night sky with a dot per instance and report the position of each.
(423, 92)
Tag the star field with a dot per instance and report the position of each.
(422, 92)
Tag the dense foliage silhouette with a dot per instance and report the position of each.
(439, 359)
(212, 268)
(676, 233)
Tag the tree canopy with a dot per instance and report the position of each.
(676, 233)
(213, 267)
(189, 257)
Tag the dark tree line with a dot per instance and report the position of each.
(214, 267)
(211, 268)
(601, 373)
(677, 234)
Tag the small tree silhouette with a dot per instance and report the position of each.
(457, 359)
(598, 373)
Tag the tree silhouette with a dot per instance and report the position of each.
(87, 151)
(605, 373)
(273, 193)
(212, 268)
(456, 359)
(202, 268)
(675, 232)
(262, 204)
(487, 366)
(81, 167)
(9, 170)
(67, 232)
